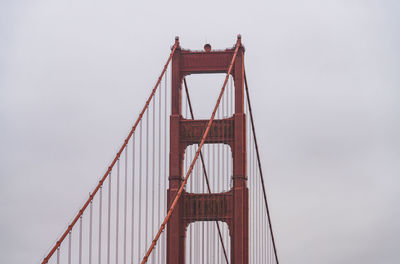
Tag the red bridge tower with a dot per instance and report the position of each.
(231, 207)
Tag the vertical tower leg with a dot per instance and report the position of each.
(240, 234)
(176, 231)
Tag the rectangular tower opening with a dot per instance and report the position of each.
(204, 92)
(218, 167)
(203, 243)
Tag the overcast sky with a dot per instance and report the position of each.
(325, 81)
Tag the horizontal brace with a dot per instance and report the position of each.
(221, 131)
(205, 62)
(207, 207)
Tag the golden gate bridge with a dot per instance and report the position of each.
(180, 189)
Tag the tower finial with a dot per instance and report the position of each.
(239, 39)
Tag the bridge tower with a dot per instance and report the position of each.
(231, 207)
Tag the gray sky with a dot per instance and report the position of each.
(324, 77)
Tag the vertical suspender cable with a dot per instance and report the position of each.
(252, 203)
(198, 226)
(268, 247)
(226, 149)
(69, 247)
(125, 199)
(254, 192)
(208, 225)
(190, 185)
(251, 207)
(214, 184)
(189, 189)
(257, 202)
(80, 241)
(109, 219)
(218, 175)
(100, 216)
(221, 174)
(195, 225)
(202, 190)
(146, 220)
(117, 217)
(165, 156)
(140, 192)
(224, 105)
(264, 237)
(255, 197)
(58, 255)
(153, 172)
(133, 198)
(222, 146)
(265, 233)
(159, 167)
(203, 225)
(90, 231)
